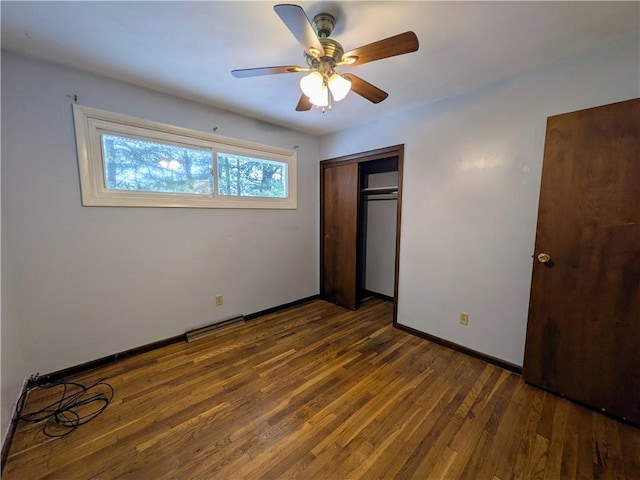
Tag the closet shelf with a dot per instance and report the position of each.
(380, 193)
(383, 196)
(379, 190)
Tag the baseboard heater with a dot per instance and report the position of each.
(202, 332)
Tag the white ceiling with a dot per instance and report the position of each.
(189, 48)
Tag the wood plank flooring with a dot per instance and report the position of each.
(320, 392)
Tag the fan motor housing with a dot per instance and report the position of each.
(333, 53)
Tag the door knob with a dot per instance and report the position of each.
(544, 257)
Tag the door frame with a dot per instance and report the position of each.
(395, 151)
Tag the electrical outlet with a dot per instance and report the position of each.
(464, 318)
(218, 300)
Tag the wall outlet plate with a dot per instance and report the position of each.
(464, 318)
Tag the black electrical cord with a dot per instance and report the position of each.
(72, 409)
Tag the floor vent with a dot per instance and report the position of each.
(202, 332)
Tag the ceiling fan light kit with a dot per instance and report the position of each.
(322, 88)
(323, 85)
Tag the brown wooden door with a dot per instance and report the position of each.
(340, 194)
(583, 334)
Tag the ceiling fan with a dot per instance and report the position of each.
(324, 84)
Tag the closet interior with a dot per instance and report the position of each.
(360, 217)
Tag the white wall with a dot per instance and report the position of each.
(380, 263)
(92, 281)
(471, 183)
(14, 370)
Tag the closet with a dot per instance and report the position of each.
(360, 205)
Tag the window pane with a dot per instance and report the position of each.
(251, 177)
(141, 165)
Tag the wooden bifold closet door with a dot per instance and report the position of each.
(583, 334)
(340, 195)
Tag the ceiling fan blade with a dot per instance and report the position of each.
(406, 42)
(296, 20)
(365, 89)
(303, 104)
(256, 72)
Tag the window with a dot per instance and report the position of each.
(144, 166)
(126, 161)
(252, 177)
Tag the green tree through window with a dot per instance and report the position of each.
(141, 165)
(251, 177)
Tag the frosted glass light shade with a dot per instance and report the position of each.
(311, 85)
(322, 98)
(339, 86)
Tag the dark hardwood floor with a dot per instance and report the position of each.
(320, 392)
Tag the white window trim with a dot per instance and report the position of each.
(91, 122)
